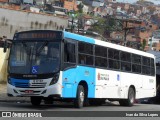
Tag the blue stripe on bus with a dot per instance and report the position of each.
(72, 77)
(20, 82)
(78, 37)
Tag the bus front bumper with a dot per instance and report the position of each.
(53, 90)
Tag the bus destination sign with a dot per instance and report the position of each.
(39, 35)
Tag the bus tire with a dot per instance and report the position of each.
(48, 100)
(130, 100)
(36, 101)
(131, 97)
(79, 101)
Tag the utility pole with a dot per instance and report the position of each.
(126, 28)
(150, 40)
(73, 16)
(72, 26)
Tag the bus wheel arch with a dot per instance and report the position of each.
(82, 90)
(85, 85)
(130, 98)
(132, 86)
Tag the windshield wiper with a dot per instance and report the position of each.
(26, 48)
(41, 48)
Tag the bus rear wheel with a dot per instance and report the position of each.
(36, 101)
(80, 97)
(130, 100)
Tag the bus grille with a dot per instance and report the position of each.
(30, 85)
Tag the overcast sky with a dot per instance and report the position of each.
(132, 1)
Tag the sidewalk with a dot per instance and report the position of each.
(5, 98)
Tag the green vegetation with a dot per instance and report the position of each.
(106, 26)
(80, 8)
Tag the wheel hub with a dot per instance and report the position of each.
(81, 96)
(132, 97)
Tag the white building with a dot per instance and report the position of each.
(85, 9)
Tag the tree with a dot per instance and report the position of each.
(99, 26)
(80, 8)
(140, 1)
(105, 26)
(77, 19)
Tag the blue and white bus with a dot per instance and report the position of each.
(57, 65)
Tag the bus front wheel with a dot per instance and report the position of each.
(79, 101)
(36, 101)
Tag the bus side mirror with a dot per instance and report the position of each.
(5, 46)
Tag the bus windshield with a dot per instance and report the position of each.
(34, 57)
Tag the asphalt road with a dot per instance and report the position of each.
(109, 106)
(14, 106)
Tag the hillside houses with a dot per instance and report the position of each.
(146, 12)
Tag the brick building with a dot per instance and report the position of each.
(70, 5)
(4, 1)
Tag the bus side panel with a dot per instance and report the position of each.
(72, 77)
(107, 84)
(128, 79)
(149, 86)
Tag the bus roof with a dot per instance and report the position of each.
(78, 37)
(123, 48)
(92, 41)
(106, 44)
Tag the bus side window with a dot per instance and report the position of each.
(69, 54)
(82, 59)
(85, 53)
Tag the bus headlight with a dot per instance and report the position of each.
(9, 81)
(55, 79)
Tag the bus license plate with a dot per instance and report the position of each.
(37, 81)
(29, 91)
